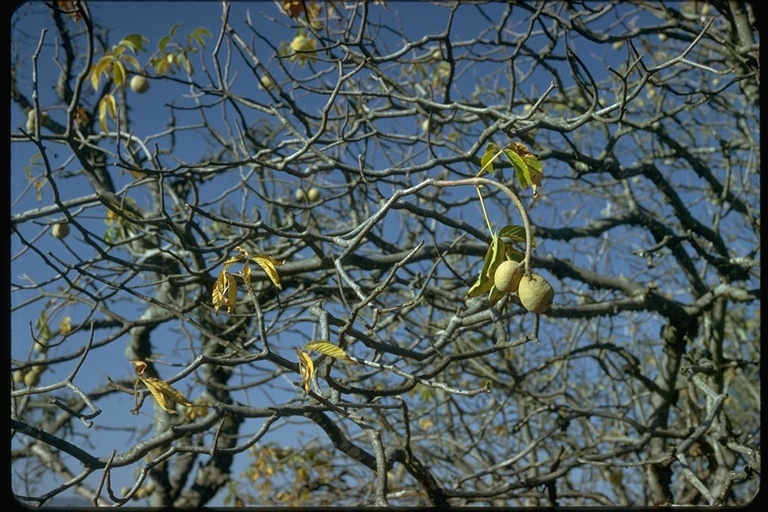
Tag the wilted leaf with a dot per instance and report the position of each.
(140, 366)
(294, 8)
(195, 411)
(162, 391)
(247, 276)
(329, 349)
(225, 292)
(306, 369)
(520, 148)
(269, 263)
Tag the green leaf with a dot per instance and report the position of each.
(118, 73)
(536, 172)
(329, 349)
(185, 63)
(160, 66)
(163, 43)
(495, 295)
(130, 59)
(486, 162)
(135, 42)
(516, 233)
(198, 34)
(493, 258)
(521, 168)
(98, 69)
(496, 254)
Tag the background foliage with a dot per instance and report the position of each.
(292, 173)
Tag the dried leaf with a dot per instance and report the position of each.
(269, 263)
(140, 366)
(225, 292)
(196, 410)
(247, 276)
(306, 369)
(162, 391)
(329, 349)
(294, 8)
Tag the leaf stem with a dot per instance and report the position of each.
(477, 181)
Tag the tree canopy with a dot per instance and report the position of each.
(260, 257)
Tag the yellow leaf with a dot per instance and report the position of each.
(329, 349)
(118, 73)
(268, 264)
(140, 366)
(247, 276)
(225, 292)
(107, 105)
(103, 115)
(231, 293)
(162, 391)
(65, 326)
(112, 103)
(306, 369)
(98, 69)
(196, 411)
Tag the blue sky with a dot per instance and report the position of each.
(149, 112)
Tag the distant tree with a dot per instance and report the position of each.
(297, 252)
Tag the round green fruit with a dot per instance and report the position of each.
(313, 195)
(507, 276)
(60, 230)
(32, 378)
(139, 84)
(535, 293)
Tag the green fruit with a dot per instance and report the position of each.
(60, 230)
(300, 195)
(18, 376)
(535, 293)
(139, 84)
(507, 276)
(313, 195)
(32, 378)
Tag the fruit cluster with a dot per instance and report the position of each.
(535, 292)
